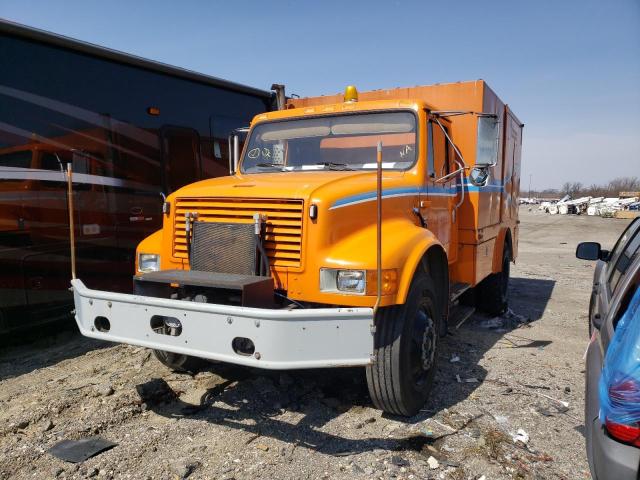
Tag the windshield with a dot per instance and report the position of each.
(339, 142)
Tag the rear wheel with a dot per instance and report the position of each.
(492, 294)
(406, 350)
(179, 362)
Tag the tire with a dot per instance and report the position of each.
(406, 350)
(179, 362)
(492, 294)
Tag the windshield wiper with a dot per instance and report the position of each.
(270, 165)
(334, 166)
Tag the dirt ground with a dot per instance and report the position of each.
(507, 402)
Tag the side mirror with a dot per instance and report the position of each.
(479, 176)
(488, 140)
(590, 251)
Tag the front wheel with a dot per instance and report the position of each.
(179, 362)
(406, 350)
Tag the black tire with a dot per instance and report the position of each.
(492, 295)
(179, 362)
(406, 350)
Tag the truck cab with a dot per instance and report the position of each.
(345, 231)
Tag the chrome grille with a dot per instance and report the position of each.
(283, 233)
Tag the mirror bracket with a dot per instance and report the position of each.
(448, 175)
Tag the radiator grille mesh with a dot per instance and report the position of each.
(283, 229)
(224, 248)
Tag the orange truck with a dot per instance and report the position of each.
(349, 229)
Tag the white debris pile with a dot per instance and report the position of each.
(600, 206)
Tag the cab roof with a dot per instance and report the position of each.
(345, 107)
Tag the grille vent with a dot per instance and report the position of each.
(283, 230)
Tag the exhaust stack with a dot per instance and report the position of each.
(281, 99)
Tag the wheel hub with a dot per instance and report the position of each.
(428, 345)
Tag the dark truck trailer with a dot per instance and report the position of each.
(132, 129)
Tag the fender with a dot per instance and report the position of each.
(418, 243)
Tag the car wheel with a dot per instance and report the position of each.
(179, 362)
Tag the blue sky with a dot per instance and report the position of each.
(569, 69)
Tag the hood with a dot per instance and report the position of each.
(315, 185)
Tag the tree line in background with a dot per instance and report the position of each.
(577, 189)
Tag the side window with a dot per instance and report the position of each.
(626, 257)
(626, 298)
(440, 151)
(430, 151)
(16, 159)
(437, 151)
(48, 161)
(622, 242)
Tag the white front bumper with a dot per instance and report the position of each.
(283, 339)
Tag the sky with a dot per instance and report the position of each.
(570, 70)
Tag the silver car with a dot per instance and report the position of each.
(612, 450)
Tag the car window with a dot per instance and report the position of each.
(628, 252)
(625, 299)
(48, 161)
(20, 159)
(621, 243)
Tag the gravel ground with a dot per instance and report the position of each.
(507, 402)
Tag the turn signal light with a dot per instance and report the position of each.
(389, 281)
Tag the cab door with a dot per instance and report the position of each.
(438, 198)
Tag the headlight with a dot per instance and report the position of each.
(148, 262)
(358, 282)
(351, 281)
(346, 281)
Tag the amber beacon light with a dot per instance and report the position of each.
(350, 94)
